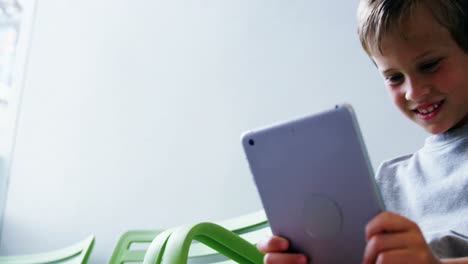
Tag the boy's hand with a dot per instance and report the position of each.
(275, 247)
(392, 238)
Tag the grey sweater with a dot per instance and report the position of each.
(430, 187)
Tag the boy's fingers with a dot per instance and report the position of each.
(273, 244)
(383, 243)
(282, 258)
(394, 256)
(388, 222)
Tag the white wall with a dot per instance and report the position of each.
(132, 110)
(16, 20)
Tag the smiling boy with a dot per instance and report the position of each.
(420, 47)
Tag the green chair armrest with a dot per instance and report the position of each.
(174, 245)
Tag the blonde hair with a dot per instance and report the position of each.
(376, 18)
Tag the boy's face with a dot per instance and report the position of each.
(426, 73)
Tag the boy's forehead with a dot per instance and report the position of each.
(417, 32)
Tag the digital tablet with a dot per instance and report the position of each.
(316, 183)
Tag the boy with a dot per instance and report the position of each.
(421, 49)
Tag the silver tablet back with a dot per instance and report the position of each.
(316, 184)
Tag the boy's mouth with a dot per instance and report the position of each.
(429, 111)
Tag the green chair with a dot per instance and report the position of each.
(231, 241)
(75, 254)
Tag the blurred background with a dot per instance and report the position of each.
(119, 115)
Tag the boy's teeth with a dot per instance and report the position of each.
(429, 109)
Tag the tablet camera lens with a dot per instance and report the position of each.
(251, 142)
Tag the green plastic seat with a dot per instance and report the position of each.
(230, 241)
(75, 254)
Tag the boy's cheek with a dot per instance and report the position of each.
(394, 95)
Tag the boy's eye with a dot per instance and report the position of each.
(430, 66)
(394, 78)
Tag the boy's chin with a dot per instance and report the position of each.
(434, 128)
(440, 128)
(440, 125)
(434, 131)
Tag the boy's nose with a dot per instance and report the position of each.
(416, 90)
